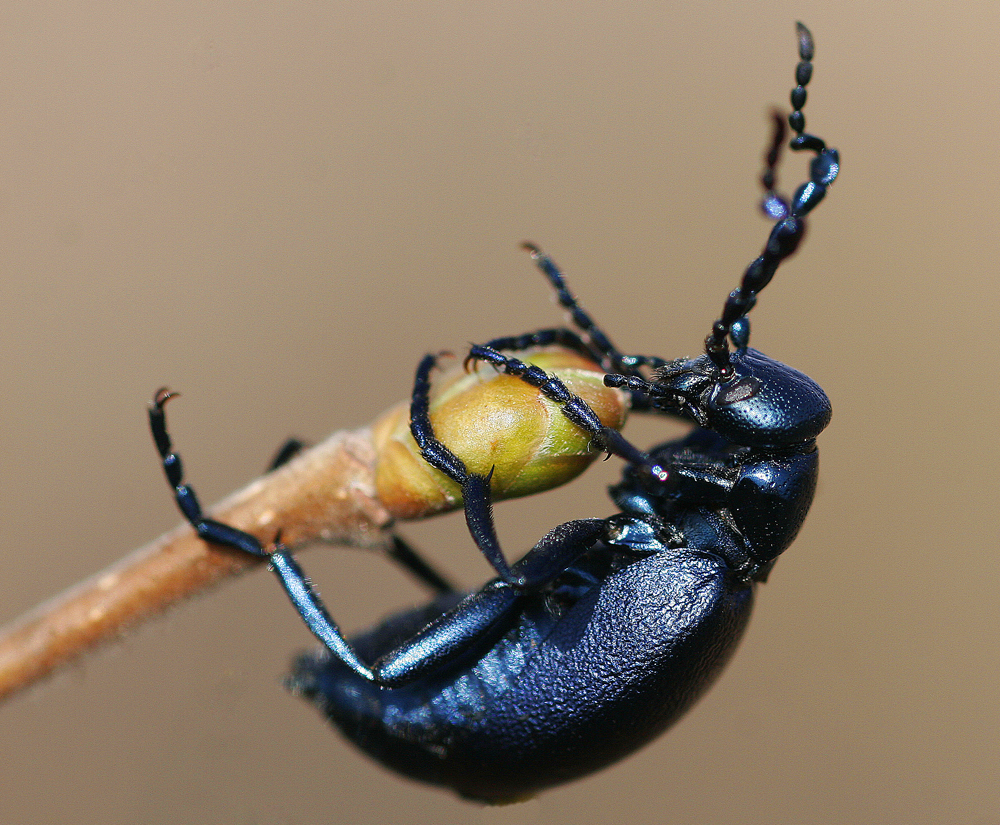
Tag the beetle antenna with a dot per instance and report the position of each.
(790, 227)
(774, 205)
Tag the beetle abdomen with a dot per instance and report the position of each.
(556, 698)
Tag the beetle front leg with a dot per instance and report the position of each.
(597, 341)
(553, 336)
(476, 487)
(563, 337)
(572, 406)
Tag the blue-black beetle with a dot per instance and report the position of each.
(608, 629)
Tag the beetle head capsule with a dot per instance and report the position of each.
(761, 403)
(767, 404)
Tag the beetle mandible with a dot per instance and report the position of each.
(607, 630)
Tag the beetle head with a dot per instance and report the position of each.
(758, 403)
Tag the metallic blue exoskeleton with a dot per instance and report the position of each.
(607, 629)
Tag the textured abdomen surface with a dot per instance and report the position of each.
(554, 698)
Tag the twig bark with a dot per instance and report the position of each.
(332, 493)
(327, 492)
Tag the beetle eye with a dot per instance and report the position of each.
(733, 392)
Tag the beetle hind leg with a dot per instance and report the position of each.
(296, 585)
(187, 501)
(399, 551)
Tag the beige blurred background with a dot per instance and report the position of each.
(276, 208)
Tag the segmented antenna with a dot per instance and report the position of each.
(790, 227)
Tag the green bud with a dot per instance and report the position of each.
(492, 420)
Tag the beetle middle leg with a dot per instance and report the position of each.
(476, 487)
(591, 341)
(410, 560)
(597, 341)
(285, 453)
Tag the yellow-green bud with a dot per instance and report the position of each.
(492, 420)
